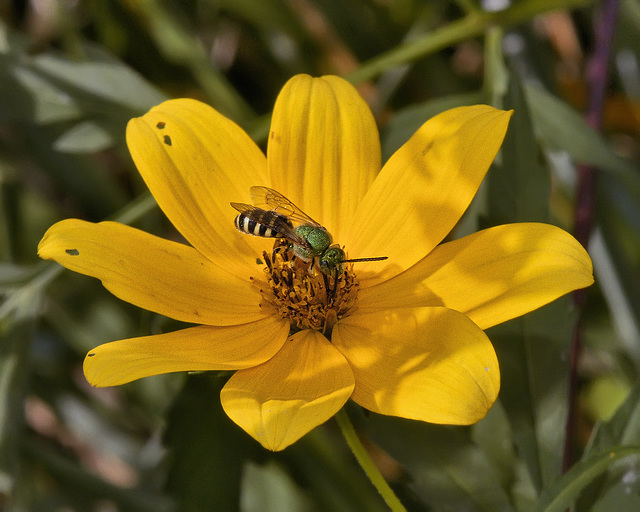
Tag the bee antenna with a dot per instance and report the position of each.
(379, 258)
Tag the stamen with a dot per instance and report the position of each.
(305, 296)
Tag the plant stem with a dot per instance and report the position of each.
(366, 463)
(180, 46)
(471, 25)
(597, 77)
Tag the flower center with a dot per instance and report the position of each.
(305, 296)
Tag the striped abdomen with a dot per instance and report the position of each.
(263, 223)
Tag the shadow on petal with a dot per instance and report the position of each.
(429, 364)
(200, 348)
(425, 187)
(491, 276)
(301, 387)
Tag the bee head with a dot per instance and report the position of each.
(331, 261)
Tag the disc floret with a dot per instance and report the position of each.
(307, 297)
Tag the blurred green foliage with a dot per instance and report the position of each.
(73, 73)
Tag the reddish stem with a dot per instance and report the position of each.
(597, 78)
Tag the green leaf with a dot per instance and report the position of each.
(268, 16)
(627, 42)
(97, 77)
(51, 87)
(269, 489)
(26, 95)
(623, 428)
(531, 349)
(493, 436)
(14, 352)
(518, 188)
(614, 250)
(623, 497)
(559, 496)
(532, 354)
(559, 127)
(207, 451)
(448, 470)
(330, 475)
(12, 274)
(85, 137)
(176, 40)
(86, 181)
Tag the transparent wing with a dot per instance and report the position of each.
(276, 202)
(243, 207)
(278, 223)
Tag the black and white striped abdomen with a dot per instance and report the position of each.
(263, 223)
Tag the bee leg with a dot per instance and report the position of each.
(334, 290)
(277, 249)
(281, 247)
(326, 287)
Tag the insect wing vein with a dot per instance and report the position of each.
(243, 207)
(280, 204)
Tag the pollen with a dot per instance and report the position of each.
(305, 296)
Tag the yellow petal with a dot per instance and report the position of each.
(155, 274)
(429, 364)
(324, 149)
(195, 162)
(199, 348)
(302, 386)
(492, 276)
(426, 186)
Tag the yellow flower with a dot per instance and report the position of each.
(401, 337)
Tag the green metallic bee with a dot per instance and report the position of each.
(310, 241)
